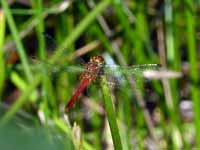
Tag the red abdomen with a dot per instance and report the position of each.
(81, 87)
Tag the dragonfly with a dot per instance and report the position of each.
(96, 68)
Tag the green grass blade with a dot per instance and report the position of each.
(2, 61)
(48, 97)
(169, 31)
(23, 11)
(20, 101)
(193, 60)
(22, 85)
(111, 115)
(17, 40)
(40, 28)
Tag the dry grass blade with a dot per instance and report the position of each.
(161, 74)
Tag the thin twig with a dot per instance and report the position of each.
(165, 82)
(87, 48)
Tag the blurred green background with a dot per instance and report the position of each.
(151, 110)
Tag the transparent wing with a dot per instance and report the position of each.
(53, 68)
(130, 70)
(115, 74)
(122, 82)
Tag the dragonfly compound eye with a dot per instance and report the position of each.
(98, 59)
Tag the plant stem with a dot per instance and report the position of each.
(111, 115)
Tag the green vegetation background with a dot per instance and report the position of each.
(129, 32)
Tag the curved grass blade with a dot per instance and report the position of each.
(15, 34)
(111, 115)
(20, 101)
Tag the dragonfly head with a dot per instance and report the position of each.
(99, 60)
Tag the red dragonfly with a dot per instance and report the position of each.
(96, 67)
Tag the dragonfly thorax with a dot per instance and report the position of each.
(94, 68)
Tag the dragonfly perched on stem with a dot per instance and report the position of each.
(95, 68)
